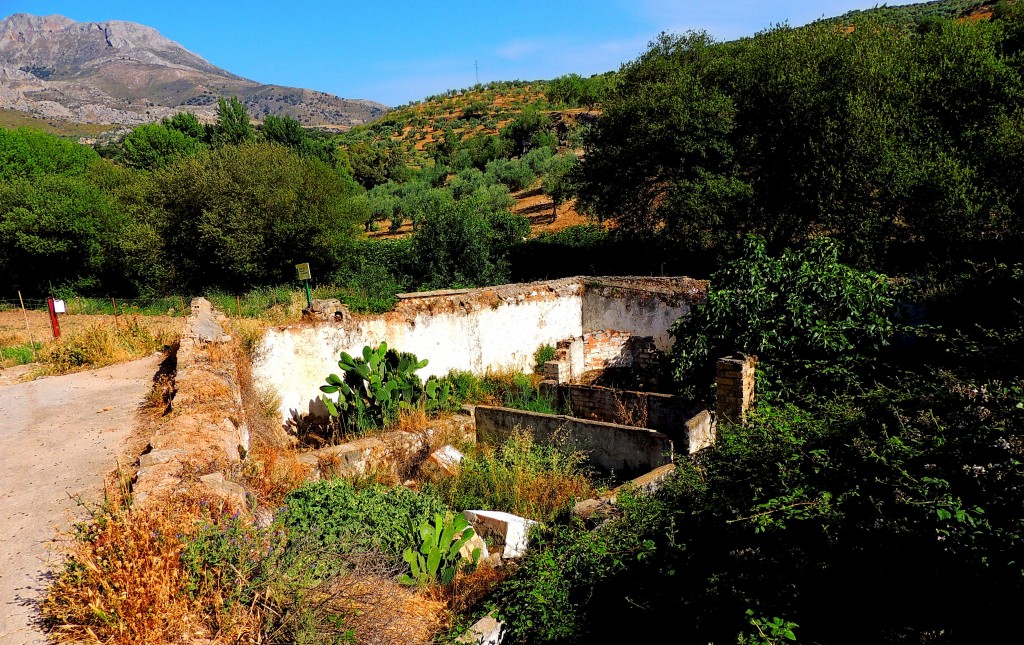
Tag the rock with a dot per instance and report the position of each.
(595, 511)
(158, 457)
(230, 492)
(486, 631)
(652, 481)
(505, 529)
(329, 309)
(444, 462)
(475, 542)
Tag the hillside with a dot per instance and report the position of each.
(119, 72)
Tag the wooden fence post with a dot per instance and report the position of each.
(31, 342)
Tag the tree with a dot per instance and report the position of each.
(188, 124)
(233, 125)
(154, 146)
(27, 153)
(57, 230)
(284, 130)
(664, 138)
(245, 215)
(811, 320)
(557, 181)
(521, 131)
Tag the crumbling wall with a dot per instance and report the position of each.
(610, 447)
(472, 329)
(204, 435)
(643, 306)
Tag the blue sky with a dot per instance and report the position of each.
(395, 51)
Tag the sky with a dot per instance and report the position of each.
(396, 51)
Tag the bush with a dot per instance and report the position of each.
(543, 354)
(812, 321)
(337, 514)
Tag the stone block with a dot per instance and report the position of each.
(475, 542)
(504, 529)
(700, 431)
(486, 631)
(230, 492)
(444, 461)
(159, 457)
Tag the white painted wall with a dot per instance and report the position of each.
(294, 361)
(473, 330)
(644, 313)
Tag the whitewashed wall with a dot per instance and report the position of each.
(471, 330)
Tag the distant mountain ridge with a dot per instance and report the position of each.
(125, 73)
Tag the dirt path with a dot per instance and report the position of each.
(59, 436)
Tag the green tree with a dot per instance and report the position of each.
(233, 125)
(244, 215)
(27, 153)
(284, 130)
(557, 181)
(520, 132)
(188, 124)
(811, 320)
(58, 230)
(154, 146)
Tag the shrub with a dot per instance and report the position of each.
(811, 320)
(543, 354)
(336, 513)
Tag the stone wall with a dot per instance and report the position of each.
(644, 306)
(473, 329)
(611, 448)
(668, 414)
(204, 434)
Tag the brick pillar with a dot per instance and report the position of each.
(735, 387)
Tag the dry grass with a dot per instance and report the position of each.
(98, 345)
(123, 582)
(469, 588)
(271, 472)
(630, 415)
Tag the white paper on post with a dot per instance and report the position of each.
(59, 307)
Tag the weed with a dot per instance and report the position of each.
(520, 476)
(98, 345)
(370, 518)
(543, 354)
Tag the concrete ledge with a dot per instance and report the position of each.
(611, 448)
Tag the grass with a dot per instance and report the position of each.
(20, 354)
(98, 345)
(506, 388)
(520, 476)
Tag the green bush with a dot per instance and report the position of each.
(812, 321)
(338, 514)
(543, 354)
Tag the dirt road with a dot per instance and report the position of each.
(59, 436)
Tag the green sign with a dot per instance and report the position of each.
(302, 270)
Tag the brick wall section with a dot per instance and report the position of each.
(735, 387)
(607, 348)
(665, 413)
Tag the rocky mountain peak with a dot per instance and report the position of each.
(127, 73)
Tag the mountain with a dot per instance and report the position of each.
(126, 73)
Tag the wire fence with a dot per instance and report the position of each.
(163, 306)
(267, 302)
